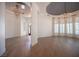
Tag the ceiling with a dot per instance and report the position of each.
(42, 6)
(53, 8)
(57, 8)
(11, 7)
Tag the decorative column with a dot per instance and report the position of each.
(73, 22)
(53, 18)
(58, 26)
(65, 22)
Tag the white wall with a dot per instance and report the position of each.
(12, 25)
(16, 25)
(44, 25)
(2, 28)
(44, 21)
(41, 23)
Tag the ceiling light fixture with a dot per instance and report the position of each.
(23, 6)
(19, 8)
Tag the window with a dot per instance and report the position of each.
(56, 28)
(61, 28)
(77, 26)
(69, 26)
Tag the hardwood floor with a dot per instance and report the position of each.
(18, 46)
(47, 46)
(57, 47)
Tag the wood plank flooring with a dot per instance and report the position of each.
(46, 47)
(57, 47)
(18, 47)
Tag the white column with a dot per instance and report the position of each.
(53, 33)
(73, 21)
(65, 27)
(2, 28)
(34, 28)
(58, 26)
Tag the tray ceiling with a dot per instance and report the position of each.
(58, 8)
